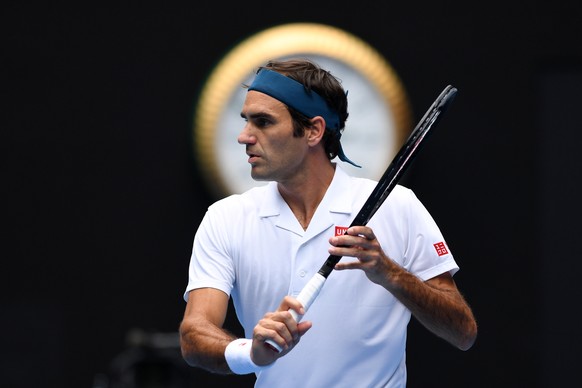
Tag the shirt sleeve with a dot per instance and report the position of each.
(211, 264)
(428, 251)
(413, 238)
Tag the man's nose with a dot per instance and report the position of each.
(245, 136)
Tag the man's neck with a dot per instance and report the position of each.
(304, 196)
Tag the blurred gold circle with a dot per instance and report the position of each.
(296, 39)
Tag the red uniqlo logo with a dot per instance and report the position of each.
(441, 248)
(340, 230)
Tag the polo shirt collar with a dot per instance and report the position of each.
(336, 199)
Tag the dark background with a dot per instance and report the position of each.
(101, 194)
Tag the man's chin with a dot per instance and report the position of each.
(259, 177)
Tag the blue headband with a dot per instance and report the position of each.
(296, 96)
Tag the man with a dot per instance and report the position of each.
(263, 246)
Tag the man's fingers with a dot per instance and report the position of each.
(293, 304)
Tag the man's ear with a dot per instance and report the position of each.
(315, 132)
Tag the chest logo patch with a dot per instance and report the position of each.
(441, 248)
(341, 230)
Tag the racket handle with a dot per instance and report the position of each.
(308, 294)
(306, 298)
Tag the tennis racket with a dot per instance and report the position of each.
(384, 187)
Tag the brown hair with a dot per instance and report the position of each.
(313, 77)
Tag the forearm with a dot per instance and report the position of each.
(437, 304)
(203, 345)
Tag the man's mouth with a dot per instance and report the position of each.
(252, 157)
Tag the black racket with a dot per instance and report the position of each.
(387, 182)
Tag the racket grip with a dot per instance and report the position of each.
(306, 298)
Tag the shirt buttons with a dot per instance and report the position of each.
(302, 273)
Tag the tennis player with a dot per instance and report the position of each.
(261, 247)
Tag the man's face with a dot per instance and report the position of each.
(274, 154)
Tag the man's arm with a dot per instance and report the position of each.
(202, 338)
(436, 303)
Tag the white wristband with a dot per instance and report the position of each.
(238, 357)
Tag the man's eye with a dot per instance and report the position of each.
(261, 122)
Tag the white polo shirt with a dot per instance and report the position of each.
(252, 247)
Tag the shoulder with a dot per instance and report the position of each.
(403, 194)
(362, 183)
(250, 199)
(364, 187)
(403, 201)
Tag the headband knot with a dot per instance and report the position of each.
(295, 95)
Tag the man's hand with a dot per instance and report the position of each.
(361, 243)
(281, 328)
